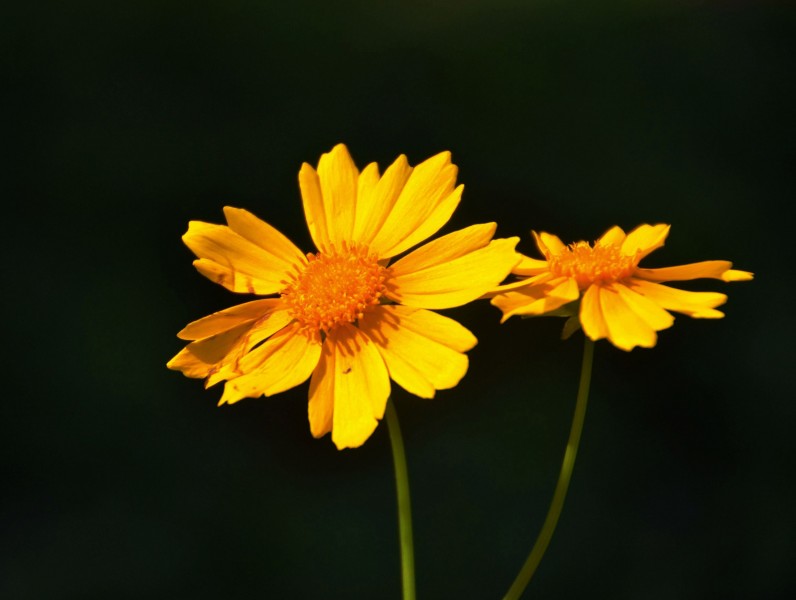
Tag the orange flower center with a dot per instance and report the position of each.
(334, 288)
(590, 264)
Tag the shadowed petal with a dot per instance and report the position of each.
(284, 361)
(423, 350)
(591, 314)
(626, 329)
(359, 390)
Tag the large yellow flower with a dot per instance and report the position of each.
(618, 299)
(345, 316)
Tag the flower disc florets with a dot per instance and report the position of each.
(592, 264)
(335, 287)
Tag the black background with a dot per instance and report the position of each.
(124, 120)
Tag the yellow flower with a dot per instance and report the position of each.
(618, 299)
(345, 316)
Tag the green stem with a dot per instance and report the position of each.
(549, 526)
(404, 504)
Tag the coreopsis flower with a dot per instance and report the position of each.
(345, 317)
(603, 290)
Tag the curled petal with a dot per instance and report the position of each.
(644, 239)
(548, 244)
(233, 261)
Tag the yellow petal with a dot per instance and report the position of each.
(422, 350)
(313, 207)
(321, 395)
(626, 329)
(529, 266)
(644, 239)
(733, 275)
(286, 360)
(457, 281)
(263, 235)
(233, 261)
(520, 284)
(201, 358)
(424, 205)
(260, 330)
(699, 305)
(445, 248)
(709, 269)
(591, 314)
(361, 386)
(613, 237)
(226, 319)
(548, 244)
(375, 200)
(338, 178)
(650, 312)
(537, 300)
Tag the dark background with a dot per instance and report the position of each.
(124, 120)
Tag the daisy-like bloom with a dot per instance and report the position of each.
(345, 316)
(603, 290)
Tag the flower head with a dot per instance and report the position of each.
(602, 289)
(346, 317)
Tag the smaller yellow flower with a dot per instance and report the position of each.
(602, 288)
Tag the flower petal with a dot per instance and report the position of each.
(320, 409)
(258, 232)
(709, 269)
(201, 358)
(361, 385)
(262, 329)
(699, 305)
(233, 261)
(537, 300)
(548, 244)
(338, 178)
(456, 281)
(423, 350)
(445, 248)
(314, 213)
(376, 199)
(613, 237)
(644, 239)
(650, 312)
(591, 314)
(284, 361)
(226, 319)
(530, 266)
(626, 329)
(424, 205)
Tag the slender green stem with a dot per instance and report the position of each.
(404, 504)
(549, 526)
